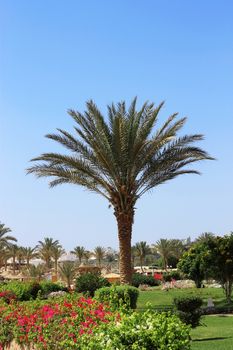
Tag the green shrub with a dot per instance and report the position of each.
(23, 290)
(89, 282)
(189, 310)
(147, 331)
(47, 287)
(118, 296)
(138, 279)
(168, 276)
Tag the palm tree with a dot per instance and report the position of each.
(67, 271)
(133, 255)
(120, 159)
(29, 254)
(205, 237)
(13, 251)
(4, 239)
(165, 250)
(36, 272)
(99, 253)
(45, 250)
(142, 249)
(79, 252)
(20, 256)
(57, 252)
(87, 254)
(178, 248)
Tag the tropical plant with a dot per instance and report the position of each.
(204, 237)
(133, 255)
(57, 252)
(164, 248)
(79, 252)
(99, 253)
(45, 249)
(13, 251)
(67, 271)
(4, 238)
(87, 254)
(142, 249)
(120, 159)
(36, 272)
(29, 254)
(20, 257)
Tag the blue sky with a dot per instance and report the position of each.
(56, 55)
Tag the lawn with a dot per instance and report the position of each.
(162, 299)
(217, 331)
(216, 335)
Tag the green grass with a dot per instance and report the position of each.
(216, 335)
(162, 299)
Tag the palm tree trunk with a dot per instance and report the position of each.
(13, 265)
(124, 223)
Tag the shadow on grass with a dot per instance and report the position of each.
(209, 339)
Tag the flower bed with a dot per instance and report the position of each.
(77, 323)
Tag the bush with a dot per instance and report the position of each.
(138, 279)
(22, 290)
(147, 331)
(30, 290)
(168, 276)
(189, 310)
(78, 323)
(118, 296)
(48, 287)
(89, 282)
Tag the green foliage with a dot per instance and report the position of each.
(47, 287)
(138, 279)
(193, 264)
(23, 290)
(120, 157)
(142, 331)
(219, 261)
(89, 282)
(168, 276)
(118, 296)
(189, 310)
(30, 290)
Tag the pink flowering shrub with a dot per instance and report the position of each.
(54, 324)
(76, 323)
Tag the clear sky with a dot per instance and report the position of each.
(56, 54)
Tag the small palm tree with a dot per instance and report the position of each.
(36, 272)
(87, 254)
(13, 251)
(133, 254)
(57, 252)
(120, 158)
(20, 257)
(178, 248)
(165, 250)
(142, 250)
(79, 252)
(67, 271)
(4, 238)
(99, 253)
(205, 237)
(45, 249)
(30, 254)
